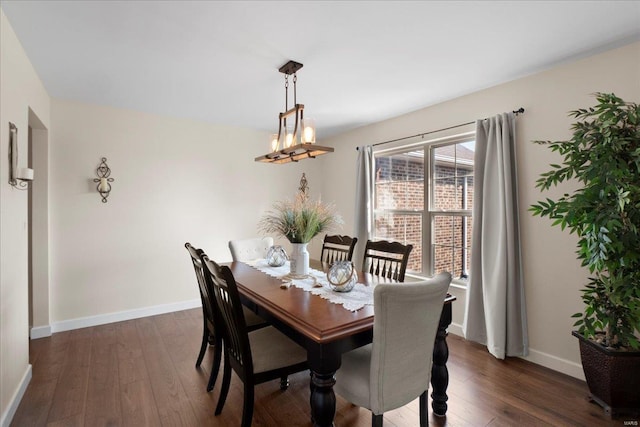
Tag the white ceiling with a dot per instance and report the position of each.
(364, 61)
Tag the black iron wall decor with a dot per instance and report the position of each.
(104, 180)
(19, 178)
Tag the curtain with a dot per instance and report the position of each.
(495, 312)
(364, 193)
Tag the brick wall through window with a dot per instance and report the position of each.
(399, 186)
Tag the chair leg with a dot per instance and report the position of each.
(424, 410)
(217, 356)
(284, 382)
(226, 380)
(376, 420)
(247, 406)
(203, 346)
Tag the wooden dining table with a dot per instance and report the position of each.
(326, 330)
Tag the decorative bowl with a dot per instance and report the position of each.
(276, 256)
(342, 276)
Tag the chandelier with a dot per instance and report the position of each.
(296, 137)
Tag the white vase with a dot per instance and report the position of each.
(299, 259)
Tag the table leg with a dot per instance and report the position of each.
(324, 361)
(439, 372)
(323, 399)
(311, 388)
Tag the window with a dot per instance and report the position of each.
(435, 218)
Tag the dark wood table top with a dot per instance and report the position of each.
(312, 316)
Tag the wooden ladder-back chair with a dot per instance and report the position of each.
(208, 332)
(386, 259)
(209, 314)
(337, 248)
(256, 357)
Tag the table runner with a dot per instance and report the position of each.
(354, 300)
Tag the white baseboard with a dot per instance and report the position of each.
(8, 415)
(40, 332)
(455, 329)
(556, 363)
(547, 360)
(103, 319)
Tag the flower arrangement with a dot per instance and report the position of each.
(300, 220)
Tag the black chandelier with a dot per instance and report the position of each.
(285, 145)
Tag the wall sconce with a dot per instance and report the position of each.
(103, 179)
(18, 177)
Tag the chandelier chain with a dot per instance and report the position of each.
(295, 86)
(286, 93)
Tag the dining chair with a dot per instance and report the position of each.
(386, 259)
(337, 248)
(209, 336)
(250, 249)
(257, 356)
(396, 367)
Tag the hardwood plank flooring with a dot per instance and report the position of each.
(142, 373)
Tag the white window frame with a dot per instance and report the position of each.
(428, 212)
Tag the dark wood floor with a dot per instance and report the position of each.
(141, 372)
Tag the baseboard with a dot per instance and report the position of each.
(40, 332)
(103, 319)
(8, 415)
(556, 363)
(455, 329)
(547, 360)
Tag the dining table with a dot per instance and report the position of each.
(327, 330)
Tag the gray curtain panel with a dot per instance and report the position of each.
(495, 312)
(364, 194)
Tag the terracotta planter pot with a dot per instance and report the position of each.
(612, 376)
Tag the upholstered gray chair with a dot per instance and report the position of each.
(250, 249)
(396, 367)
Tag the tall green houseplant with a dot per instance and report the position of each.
(604, 157)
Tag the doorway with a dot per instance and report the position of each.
(38, 231)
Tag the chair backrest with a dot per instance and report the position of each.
(207, 306)
(250, 249)
(405, 323)
(386, 259)
(223, 287)
(337, 248)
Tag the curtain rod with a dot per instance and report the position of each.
(516, 112)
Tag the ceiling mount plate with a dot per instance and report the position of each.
(290, 67)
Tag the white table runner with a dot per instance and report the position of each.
(360, 296)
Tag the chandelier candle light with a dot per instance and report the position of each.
(285, 146)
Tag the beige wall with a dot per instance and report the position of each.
(175, 181)
(20, 90)
(552, 275)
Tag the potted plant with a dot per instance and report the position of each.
(604, 212)
(300, 220)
